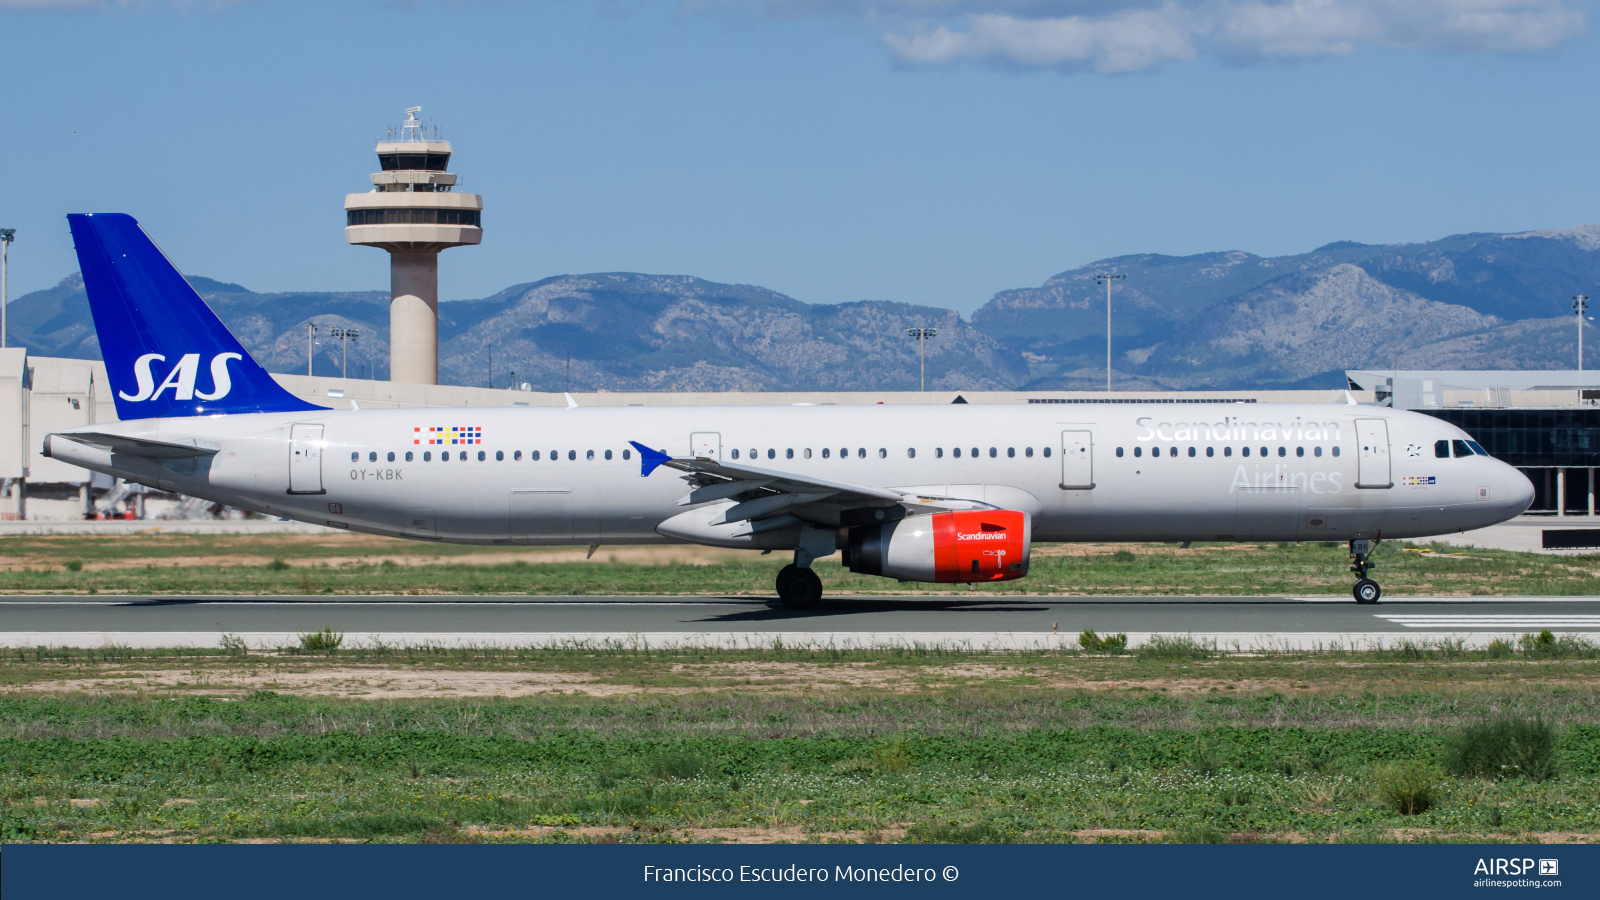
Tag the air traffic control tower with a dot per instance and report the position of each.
(413, 211)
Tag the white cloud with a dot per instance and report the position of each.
(1115, 36)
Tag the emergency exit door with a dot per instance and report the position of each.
(305, 459)
(1372, 437)
(1077, 461)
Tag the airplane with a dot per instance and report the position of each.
(946, 494)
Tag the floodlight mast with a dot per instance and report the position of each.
(7, 235)
(921, 336)
(345, 336)
(1106, 280)
(1580, 305)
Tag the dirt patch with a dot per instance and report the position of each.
(363, 682)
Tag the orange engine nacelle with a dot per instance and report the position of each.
(950, 547)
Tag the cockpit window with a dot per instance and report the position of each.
(1461, 448)
(1441, 449)
(1477, 448)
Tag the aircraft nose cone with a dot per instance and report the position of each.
(1519, 491)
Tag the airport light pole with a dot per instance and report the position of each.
(1580, 305)
(345, 336)
(921, 336)
(1106, 280)
(6, 236)
(311, 344)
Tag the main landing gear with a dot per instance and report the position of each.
(799, 588)
(1366, 590)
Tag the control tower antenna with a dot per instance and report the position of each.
(413, 211)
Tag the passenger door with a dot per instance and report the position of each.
(706, 444)
(305, 459)
(543, 515)
(1372, 438)
(1077, 461)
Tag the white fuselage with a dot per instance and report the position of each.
(1083, 472)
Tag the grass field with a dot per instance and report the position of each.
(594, 745)
(343, 563)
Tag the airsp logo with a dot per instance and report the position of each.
(181, 378)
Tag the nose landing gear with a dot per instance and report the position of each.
(1366, 590)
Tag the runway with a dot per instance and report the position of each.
(977, 620)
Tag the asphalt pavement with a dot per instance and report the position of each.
(985, 620)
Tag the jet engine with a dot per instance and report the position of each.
(949, 547)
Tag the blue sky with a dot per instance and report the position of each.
(927, 151)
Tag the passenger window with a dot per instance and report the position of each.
(993, 453)
(975, 452)
(1299, 451)
(608, 454)
(861, 453)
(735, 453)
(516, 456)
(1211, 451)
(826, 451)
(1282, 451)
(938, 453)
(391, 456)
(1191, 451)
(373, 456)
(955, 452)
(844, 452)
(499, 456)
(572, 454)
(755, 454)
(1336, 450)
(427, 456)
(808, 453)
(1316, 451)
(1227, 451)
(356, 456)
(408, 456)
(1244, 451)
(1119, 451)
(1047, 451)
(1441, 449)
(883, 452)
(1028, 452)
(1011, 452)
(1138, 451)
(464, 455)
(627, 454)
(789, 453)
(773, 454)
(533, 455)
(1461, 448)
(482, 456)
(911, 453)
(1263, 451)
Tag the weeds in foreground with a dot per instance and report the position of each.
(1409, 788)
(1200, 832)
(1507, 747)
(327, 641)
(1094, 643)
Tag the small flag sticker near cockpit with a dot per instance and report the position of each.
(455, 434)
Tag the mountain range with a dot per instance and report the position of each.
(1223, 320)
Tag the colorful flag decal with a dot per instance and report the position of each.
(1413, 480)
(455, 434)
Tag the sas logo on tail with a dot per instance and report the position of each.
(181, 378)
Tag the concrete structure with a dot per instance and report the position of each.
(1465, 389)
(413, 211)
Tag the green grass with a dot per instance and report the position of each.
(180, 564)
(936, 767)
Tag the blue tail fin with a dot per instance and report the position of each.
(166, 352)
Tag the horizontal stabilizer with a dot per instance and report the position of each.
(145, 447)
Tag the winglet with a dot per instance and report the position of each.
(648, 459)
(571, 403)
(1349, 399)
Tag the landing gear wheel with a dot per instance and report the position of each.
(1367, 591)
(799, 588)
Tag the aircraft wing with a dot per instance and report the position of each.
(132, 446)
(765, 493)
